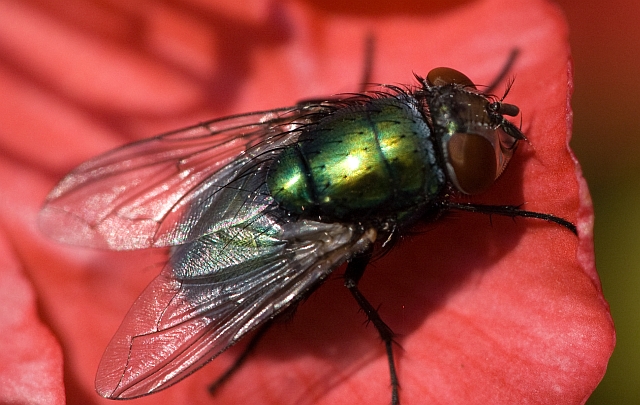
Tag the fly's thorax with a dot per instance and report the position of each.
(374, 158)
(474, 138)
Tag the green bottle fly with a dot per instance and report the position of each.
(259, 209)
(375, 158)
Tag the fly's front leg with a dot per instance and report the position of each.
(352, 276)
(509, 211)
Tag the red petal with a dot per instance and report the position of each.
(30, 359)
(486, 312)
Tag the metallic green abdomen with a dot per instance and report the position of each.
(372, 159)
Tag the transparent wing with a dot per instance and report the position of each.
(136, 196)
(215, 290)
(243, 261)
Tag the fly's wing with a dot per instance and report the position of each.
(238, 259)
(215, 290)
(135, 196)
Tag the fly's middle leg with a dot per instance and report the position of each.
(354, 272)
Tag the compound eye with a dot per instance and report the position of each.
(473, 160)
(442, 76)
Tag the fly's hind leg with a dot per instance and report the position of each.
(239, 361)
(352, 275)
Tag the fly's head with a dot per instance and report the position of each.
(475, 139)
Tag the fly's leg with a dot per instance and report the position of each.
(509, 211)
(367, 71)
(239, 361)
(365, 79)
(352, 275)
(503, 73)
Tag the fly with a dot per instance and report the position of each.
(260, 208)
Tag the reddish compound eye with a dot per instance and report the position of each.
(473, 160)
(441, 76)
